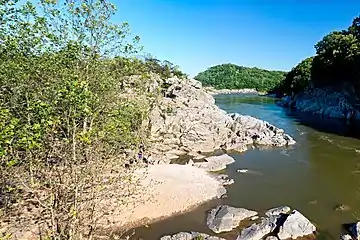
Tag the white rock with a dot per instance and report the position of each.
(346, 237)
(225, 218)
(277, 211)
(296, 225)
(215, 163)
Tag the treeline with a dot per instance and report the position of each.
(231, 76)
(64, 123)
(337, 61)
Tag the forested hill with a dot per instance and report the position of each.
(231, 76)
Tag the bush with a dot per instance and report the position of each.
(64, 124)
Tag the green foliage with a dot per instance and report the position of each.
(298, 78)
(231, 76)
(62, 112)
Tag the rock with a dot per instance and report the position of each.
(296, 225)
(224, 179)
(254, 218)
(187, 118)
(346, 237)
(271, 238)
(259, 230)
(277, 211)
(242, 170)
(355, 230)
(341, 208)
(190, 236)
(327, 102)
(225, 218)
(215, 163)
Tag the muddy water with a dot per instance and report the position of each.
(321, 171)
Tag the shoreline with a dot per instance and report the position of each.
(212, 91)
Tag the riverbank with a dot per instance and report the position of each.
(212, 91)
(337, 102)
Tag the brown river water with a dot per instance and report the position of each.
(314, 176)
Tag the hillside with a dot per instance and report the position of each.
(231, 76)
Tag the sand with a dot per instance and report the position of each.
(170, 189)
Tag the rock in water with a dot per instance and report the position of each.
(190, 236)
(259, 230)
(215, 163)
(277, 211)
(355, 230)
(271, 238)
(346, 237)
(225, 218)
(296, 225)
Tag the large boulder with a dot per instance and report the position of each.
(296, 225)
(225, 218)
(190, 236)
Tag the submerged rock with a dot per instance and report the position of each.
(296, 225)
(341, 208)
(190, 236)
(215, 163)
(225, 218)
(277, 211)
(258, 230)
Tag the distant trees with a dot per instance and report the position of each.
(231, 76)
(337, 61)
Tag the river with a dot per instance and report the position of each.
(319, 172)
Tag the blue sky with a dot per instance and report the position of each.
(197, 34)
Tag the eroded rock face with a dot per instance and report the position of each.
(296, 225)
(190, 236)
(187, 119)
(326, 102)
(225, 218)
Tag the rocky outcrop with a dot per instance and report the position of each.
(187, 119)
(326, 102)
(190, 236)
(225, 218)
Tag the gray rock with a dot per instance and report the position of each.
(259, 230)
(215, 163)
(296, 225)
(271, 238)
(190, 236)
(224, 179)
(355, 230)
(277, 211)
(346, 237)
(225, 218)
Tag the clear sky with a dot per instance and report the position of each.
(197, 34)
